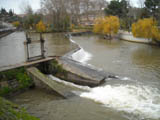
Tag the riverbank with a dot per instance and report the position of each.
(11, 111)
(14, 82)
(124, 35)
(136, 67)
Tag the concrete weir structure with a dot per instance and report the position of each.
(69, 70)
(81, 74)
(45, 82)
(63, 67)
(74, 72)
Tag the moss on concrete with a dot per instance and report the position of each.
(57, 69)
(14, 80)
(10, 111)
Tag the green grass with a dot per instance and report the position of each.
(57, 69)
(10, 111)
(19, 75)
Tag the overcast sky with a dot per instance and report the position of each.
(16, 5)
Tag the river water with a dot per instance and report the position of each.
(135, 95)
(13, 50)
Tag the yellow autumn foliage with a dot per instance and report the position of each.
(98, 27)
(108, 25)
(143, 28)
(72, 26)
(16, 24)
(40, 27)
(156, 33)
(111, 25)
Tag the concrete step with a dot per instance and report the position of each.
(45, 82)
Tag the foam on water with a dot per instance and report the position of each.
(142, 101)
(69, 83)
(124, 78)
(81, 56)
(72, 40)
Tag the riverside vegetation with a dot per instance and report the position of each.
(11, 82)
(15, 81)
(10, 111)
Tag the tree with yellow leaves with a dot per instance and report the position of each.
(143, 28)
(146, 28)
(156, 34)
(40, 27)
(111, 25)
(107, 26)
(16, 24)
(98, 27)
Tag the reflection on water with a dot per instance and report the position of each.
(146, 57)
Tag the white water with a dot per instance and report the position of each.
(69, 83)
(142, 101)
(81, 56)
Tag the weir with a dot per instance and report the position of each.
(74, 72)
(61, 67)
(81, 74)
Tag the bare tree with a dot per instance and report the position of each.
(141, 3)
(26, 8)
(60, 11)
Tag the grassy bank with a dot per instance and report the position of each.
(14, 80)
(11, 82)
(10, 111)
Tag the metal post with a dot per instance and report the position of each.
(27, 47)
(42, 45)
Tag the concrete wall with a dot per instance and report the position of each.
(129, 37)
(44, 82)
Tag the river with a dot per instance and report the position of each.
(135, 95)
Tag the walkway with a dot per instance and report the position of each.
(129, 37)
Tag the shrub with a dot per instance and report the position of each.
(16, 24)
(107, 26)
(40, 27)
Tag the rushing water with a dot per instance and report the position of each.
(137, 92)
(134, 96)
